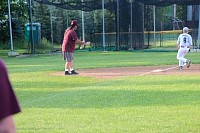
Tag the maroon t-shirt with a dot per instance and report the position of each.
(8, 101)
(69, 41)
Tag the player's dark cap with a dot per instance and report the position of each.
(74, 23)
(185, 29)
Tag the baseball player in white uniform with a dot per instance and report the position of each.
(184, 43)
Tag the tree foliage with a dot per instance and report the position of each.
(19, 15)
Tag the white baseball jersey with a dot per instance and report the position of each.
(184, 40)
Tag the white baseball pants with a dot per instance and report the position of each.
(181, 54)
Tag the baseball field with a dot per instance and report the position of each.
(115, 92)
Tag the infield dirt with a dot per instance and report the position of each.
(135, 71)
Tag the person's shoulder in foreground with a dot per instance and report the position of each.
(8, 102)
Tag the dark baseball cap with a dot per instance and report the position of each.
(74, 23)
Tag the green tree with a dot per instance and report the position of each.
(98, 21)
(181, 12)
(4, 35)
(41, 14)
(163, 21)
(19, 15)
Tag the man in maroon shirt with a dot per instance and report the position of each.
(8, 102)
(68, 46)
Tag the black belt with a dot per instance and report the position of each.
(183, 47)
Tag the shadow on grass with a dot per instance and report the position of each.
(107, 99)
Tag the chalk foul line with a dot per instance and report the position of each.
(158, 70)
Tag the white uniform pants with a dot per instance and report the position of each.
(181, 54)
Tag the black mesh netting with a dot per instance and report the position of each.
(169, 2)
(121, 37)
(89, 5)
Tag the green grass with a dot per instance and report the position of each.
(59, 104)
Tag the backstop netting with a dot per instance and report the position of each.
(129, 24)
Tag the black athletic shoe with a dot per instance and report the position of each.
(188, 62)
(180, 68)
(67, 73)
(73, 72)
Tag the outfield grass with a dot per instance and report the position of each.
(59, 104)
